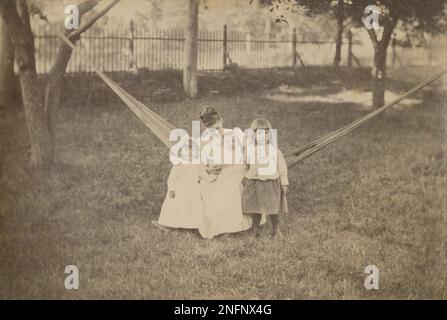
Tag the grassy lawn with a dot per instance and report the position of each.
(376, 197)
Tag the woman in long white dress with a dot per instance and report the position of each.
(221, 198)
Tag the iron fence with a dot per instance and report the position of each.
(156, 49)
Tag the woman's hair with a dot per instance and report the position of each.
(260, 123)
(209, 116)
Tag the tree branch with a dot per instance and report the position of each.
(92, 21)
(83, 8)
(87, 5)
(388, 29)
(64, 52)
(52, 92)
(373, 36)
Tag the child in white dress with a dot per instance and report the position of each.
(182, 207)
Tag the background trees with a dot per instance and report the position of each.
(412, 15)
(339, 10)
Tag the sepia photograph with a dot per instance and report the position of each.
(233, 150)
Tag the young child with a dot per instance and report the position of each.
(264, 191)
(182, 207)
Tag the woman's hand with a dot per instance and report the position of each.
(284, 189)
(214, 169)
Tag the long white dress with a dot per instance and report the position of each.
(222, 208)
(185, 209)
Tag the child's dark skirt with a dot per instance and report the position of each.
(263, 197)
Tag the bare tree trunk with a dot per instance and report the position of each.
(338, 40)
(9, 93)
(55, 79)
(16, 16)
(380, 57)
(190, 54)
(379, 76)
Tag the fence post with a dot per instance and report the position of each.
(294, 46)
(349, 48)
(248, 42)
(225, 43)
(132, 62)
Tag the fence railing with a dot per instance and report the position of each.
(156, 49)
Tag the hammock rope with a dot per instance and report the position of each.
(161, 127)
(305, 151)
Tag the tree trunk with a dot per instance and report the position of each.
(379, 76)
(55, 79)
(338, 41)
(38, 122)
(190, 54)
(9, 93)
(380, 56)
(16, 17)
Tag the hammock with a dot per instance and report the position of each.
(161, 128)
(305, 151)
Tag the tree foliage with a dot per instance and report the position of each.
(414, 16)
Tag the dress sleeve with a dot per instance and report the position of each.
(282, 169)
